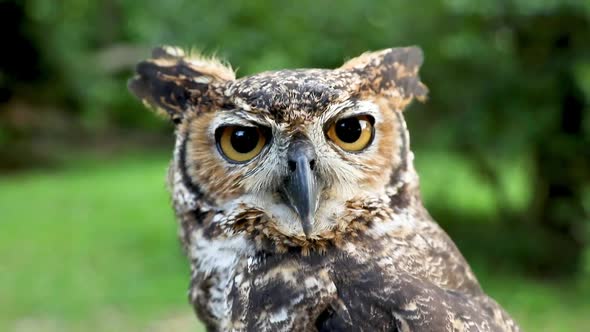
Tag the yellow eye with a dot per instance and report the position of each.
(239, 143)
(352, 134)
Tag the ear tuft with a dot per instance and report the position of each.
(175, 83)
(392, 73)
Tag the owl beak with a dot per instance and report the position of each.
(300, 187)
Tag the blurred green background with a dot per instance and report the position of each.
(87, 237)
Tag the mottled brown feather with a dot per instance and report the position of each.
(374, 259)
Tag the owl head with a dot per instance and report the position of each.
(295, 155)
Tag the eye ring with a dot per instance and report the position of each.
(240, 144)
(352, 134)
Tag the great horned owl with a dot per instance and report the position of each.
(298, 201)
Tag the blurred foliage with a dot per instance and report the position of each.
(510, 83)
(502, 145)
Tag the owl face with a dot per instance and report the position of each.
(295, 146)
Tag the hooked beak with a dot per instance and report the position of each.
(300, 186)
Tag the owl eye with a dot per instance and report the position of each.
(352, 134)
(239, 143)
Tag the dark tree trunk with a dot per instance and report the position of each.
(561, 160)
(561, 153)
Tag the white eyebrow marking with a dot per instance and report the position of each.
(237, 118)
(350, 108)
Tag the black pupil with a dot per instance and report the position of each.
(349, 130)
(244, 139)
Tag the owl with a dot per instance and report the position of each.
(298, 203)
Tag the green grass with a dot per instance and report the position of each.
(90, 248)
(93, 247)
